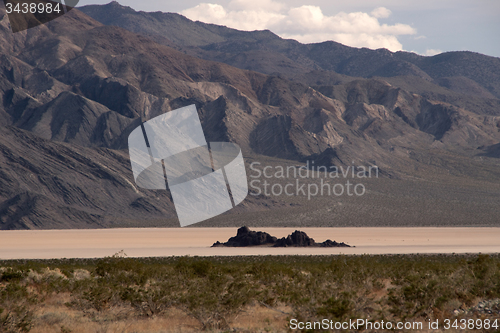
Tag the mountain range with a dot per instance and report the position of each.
(71, 91)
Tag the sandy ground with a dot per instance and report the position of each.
(197, 241)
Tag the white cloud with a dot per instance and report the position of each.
(244, 19)
(381, 12)
(432, 52)
(260, 4)
(306, 24)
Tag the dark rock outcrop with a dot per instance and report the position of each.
(330, 243)
(246, 237)
(297, 238)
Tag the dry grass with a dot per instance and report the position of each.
(55, 317)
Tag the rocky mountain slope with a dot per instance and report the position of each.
(267, 53)
(71, 91)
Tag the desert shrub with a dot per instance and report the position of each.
(94, 295)
(98, 297)
(15, 312)
(414, 299)
(336, 308)
(16, 319)
(117, 267)
(485, 276)
(53, 318)
(15, 293)
(153, 300)
(214, 297)
(10, 275)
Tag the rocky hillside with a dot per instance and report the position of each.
(267, 53)
(71, 91)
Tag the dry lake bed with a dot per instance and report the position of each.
(52, 244)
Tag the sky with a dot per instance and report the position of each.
(427, 27)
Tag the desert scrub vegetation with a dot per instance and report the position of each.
(240, 294)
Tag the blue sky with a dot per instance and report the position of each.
(426, 27)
